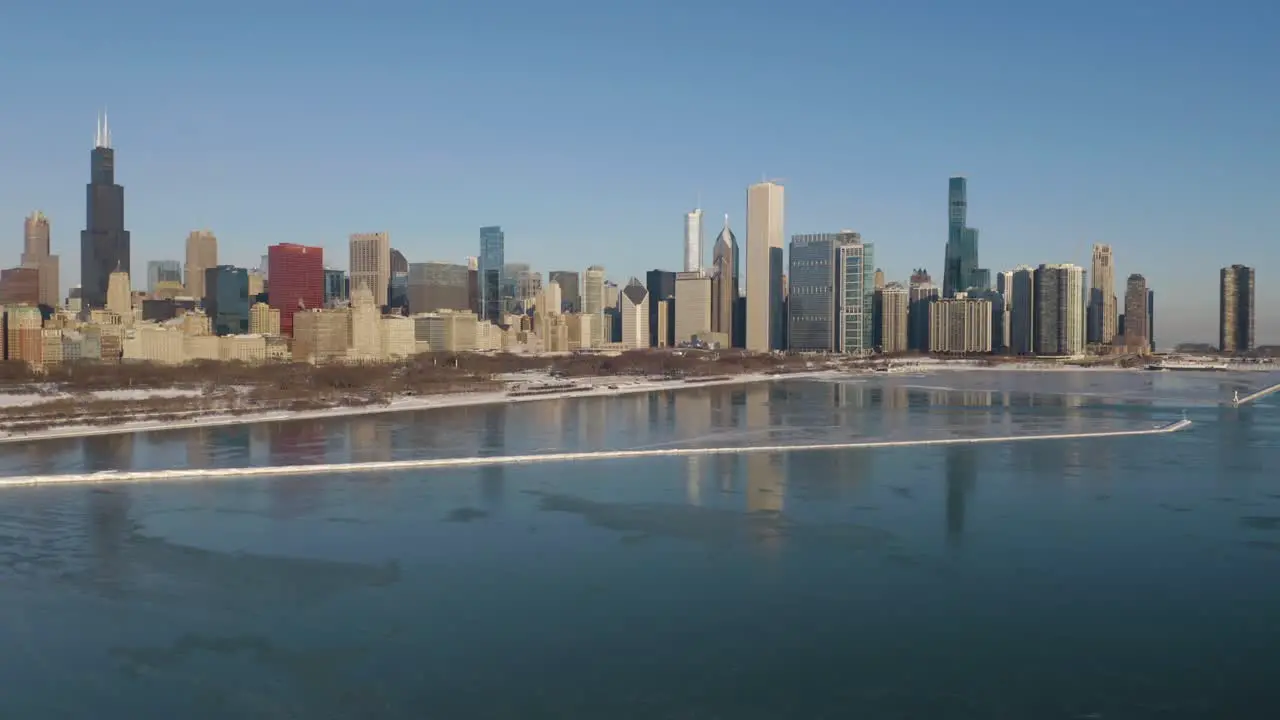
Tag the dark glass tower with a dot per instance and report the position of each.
(104, 244)
(960, 271)
(492, 258)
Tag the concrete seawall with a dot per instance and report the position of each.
(1256, 396)
(463, 462)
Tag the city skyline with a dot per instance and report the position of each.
(550, 174)
(1085, 317)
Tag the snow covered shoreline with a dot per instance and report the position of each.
(596, 387)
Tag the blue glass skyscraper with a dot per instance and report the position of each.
(492, 257)
(960, 270)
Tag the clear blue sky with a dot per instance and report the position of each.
(587, 128)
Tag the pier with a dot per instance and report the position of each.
(1237, 401)
(466, 462)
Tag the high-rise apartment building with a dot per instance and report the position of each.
(36, 254)
(765, 223)
(104, 243)
(438, 286)
(920, 292)
(489, 273)
(1137, 333)
(693, 306)
(1151, 319)
(594, 303)
(19, 286)
(1235, 309)
(693, 240)
(960, 270)
(202, 254)
(634, 309)
(1059, 310)
(297, 281)
(1102, 297)
(960, 325)
(570, 295)
(1021, 304)
(724, 285)
(1004, 286)
(812, 293)
(226, 299)
(370, 266)
(855, 293)
(162, 271)
(894, 306)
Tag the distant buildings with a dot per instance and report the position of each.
(960, 271)
(693, 307)
(438, 286)
(1236, 309)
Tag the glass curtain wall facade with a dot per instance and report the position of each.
(492, 258)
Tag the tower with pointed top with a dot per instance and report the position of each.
(104, 243)
(724, 284)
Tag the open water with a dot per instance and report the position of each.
(1104, 578)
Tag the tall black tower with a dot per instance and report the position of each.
(104, 244)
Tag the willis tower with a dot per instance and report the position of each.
(104, 244)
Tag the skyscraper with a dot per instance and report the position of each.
(661, 288)
(35, 254)
(892, 323)
(370, 266)
(297, 281)
(1022, 311)
(1235, 309)
(693, 240)
(765, 222)
(1059, 310)
(1102, 296)
(202, 254)
(811, 294)
(226, 299)
(438, 286)
(724, 290)
(594, 303)
(962, 241)
(489, 272)
(104, 243)
(855, 295)
(634, 301)
(1136, 327)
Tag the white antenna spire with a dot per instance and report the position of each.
(106, 130)
(97, 131)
